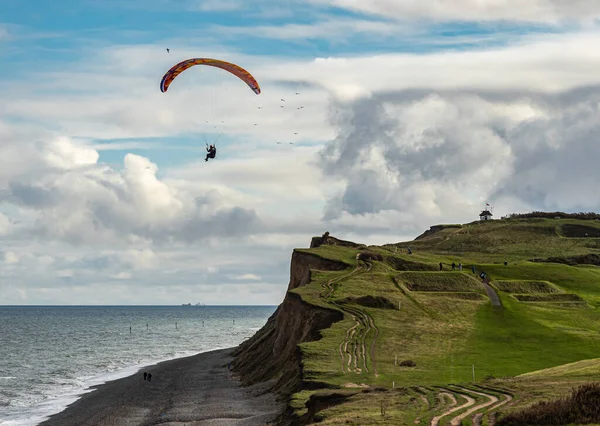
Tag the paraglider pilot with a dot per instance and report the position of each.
(212, 152)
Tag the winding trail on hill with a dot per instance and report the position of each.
(457, 421)
(507, 399)
(470, 401)
(356, 335)
(350, 333)
(344, 345)
(373, 343)
(492, 411)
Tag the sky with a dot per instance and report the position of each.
(376, 121)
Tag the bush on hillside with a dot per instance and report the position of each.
(581, 407)
(552, 215)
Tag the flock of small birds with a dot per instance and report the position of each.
(260, 107)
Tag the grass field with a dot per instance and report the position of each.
(445, 324)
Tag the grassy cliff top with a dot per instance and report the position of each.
(419, 332)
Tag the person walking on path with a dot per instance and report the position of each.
(441, 267)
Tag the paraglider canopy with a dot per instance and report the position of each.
(236, 70)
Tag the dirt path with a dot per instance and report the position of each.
(351, 339)
(354, 343)
(492, 295)
(451, 397)
(507, 399)
(344, 345)
(373, 343)
(329, 287)
(470, 401)
(492, 410)
(457, 421)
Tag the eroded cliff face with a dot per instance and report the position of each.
(273, 351)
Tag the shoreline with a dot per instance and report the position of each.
(192, 390)
(91, 384)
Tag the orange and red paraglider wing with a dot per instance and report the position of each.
(236, 70)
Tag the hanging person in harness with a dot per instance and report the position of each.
(212, 152)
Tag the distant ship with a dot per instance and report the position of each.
(200, 304)
(186, 304)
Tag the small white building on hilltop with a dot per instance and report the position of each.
(485, 215)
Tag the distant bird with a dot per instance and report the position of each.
(291, 143)
(283, 100)
(168, 50)
(259, 107)
(278, 143)
(148, 167)
(282, 106)
(297, 93)
(295, 133)
(255, 124)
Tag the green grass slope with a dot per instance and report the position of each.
(443, 321)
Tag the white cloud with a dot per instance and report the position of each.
(335, 29)
(549, 64)
(546, 11)
(65, 273)
(4, 34)
(122, 276)
(216, 5)
(247, 277)
(5, 225)
(10, 257)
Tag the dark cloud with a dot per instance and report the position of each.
(420, 150)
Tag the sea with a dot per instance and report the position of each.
(51, 355)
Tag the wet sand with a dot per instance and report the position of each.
(191, 391)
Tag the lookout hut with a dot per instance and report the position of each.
(485, 215)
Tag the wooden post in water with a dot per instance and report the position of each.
(175, 326)
(129, 330)
(146, 326)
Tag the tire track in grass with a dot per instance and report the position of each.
(343, 348)
(354, 346)
(470, 401)
(457, 421)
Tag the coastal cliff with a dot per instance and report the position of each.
(273, 353)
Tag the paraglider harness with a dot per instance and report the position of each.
(212, 152)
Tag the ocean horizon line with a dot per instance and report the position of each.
(133, 306)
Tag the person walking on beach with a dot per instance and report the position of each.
(145, 375)
(149, 376)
